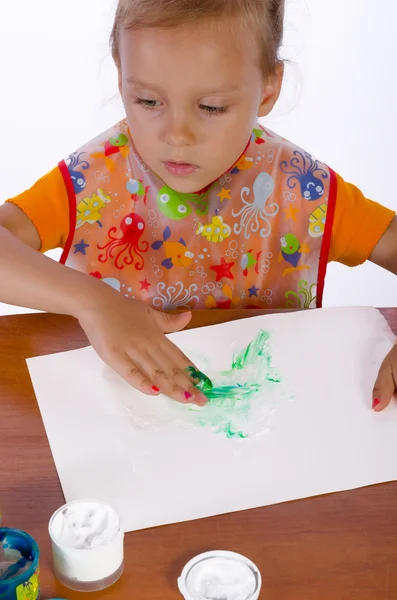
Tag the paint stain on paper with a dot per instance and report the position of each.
(238, 396)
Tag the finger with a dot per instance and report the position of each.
(192, 394)
(384, 387)
(132, 374)
(188, 370)
(165, 375)
(159, 370)
(169, 323)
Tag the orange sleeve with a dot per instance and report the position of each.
(358, 225)
(47, 206)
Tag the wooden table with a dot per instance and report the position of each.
(337, 547)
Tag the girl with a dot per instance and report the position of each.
(188, 202)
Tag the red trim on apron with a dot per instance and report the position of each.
(72, 210)
(325, 248)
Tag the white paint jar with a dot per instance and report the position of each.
(87, 545)
(220, 575)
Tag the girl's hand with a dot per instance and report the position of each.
(130, 337)
(386, 383)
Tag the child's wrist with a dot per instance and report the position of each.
(89, 294)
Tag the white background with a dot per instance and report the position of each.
(58, 89)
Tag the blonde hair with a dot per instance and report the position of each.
(265, 18)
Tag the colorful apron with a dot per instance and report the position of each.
(256, 238)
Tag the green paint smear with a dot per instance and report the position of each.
(236, 397)
(204, 383)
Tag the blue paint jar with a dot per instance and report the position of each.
(19, 566)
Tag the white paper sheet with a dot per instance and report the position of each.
(326, 439)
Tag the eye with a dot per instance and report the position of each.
(283, 242)
(148, 104)
(307, 195)
(128, 221)
(319, 189)
(140, 226)
(164, 198)
(214, 110)
(80, 181)
(182, 209)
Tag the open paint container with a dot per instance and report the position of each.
(87, 545)
(19, 566)
(220, 574)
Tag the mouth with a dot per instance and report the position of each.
(180, 168)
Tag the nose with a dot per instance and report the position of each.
(178, 131)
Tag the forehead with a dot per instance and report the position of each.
(190, 57)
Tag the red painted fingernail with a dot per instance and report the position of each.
(375, 402)
(155, 389)
(188, 395)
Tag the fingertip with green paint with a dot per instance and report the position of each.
(204, 383)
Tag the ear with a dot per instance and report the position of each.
(272, 91)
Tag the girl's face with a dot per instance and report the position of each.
(192, 97)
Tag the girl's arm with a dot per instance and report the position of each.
(34, 280)
(385, 252)
(127, 334)
(385, 255)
